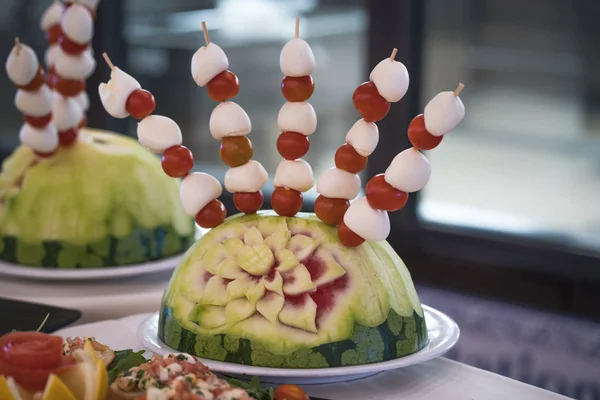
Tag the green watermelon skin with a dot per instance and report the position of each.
(104, 202)
(142, 245)
(396, 337)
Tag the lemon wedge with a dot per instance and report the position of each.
(57, 390)
(10, 390)
(87, 380)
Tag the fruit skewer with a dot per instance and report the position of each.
(123, 96)
(409, 171)
(388, 83)
(230, 124)
(33, 99)
(70, 62)
(297, 120)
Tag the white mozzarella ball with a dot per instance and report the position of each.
(294, 174)
(35, 104)
(297, 116)
(208, 62)
(247, 178)
(42, 140)
(22, 64)
(53, 52)
(364, 137)
(115, 93)
(391, 79)
(229, 119)
(158, 133)
(52, 15)
(77, 24)
(443, 113)
(338, 184)
(197, 190)
(76, 67)
(409, 171)
(368, 223)
(83, 100)
(66, 113)
(296, 58)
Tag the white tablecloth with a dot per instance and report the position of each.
(439, 379)
(98, 300)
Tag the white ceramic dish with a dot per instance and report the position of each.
(55, 274)
(442, 331)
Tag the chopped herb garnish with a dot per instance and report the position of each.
(181, 357)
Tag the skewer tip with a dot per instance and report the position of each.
(459, 89)
(17, 45)
(205, 31)
(108, 61)
(297, 31)
(394, 52)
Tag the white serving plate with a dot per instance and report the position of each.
(55, 274)
(442, 331)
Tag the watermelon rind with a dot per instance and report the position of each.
(103, 202)
(361, 306)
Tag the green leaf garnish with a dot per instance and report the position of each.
(252, 388)
(124, 360)
(43, 323)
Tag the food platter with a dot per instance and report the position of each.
(55, 274)
(442, 331)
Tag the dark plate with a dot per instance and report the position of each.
(25, 316)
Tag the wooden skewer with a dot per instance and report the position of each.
(205, 30)
(17, 45)
(394, 52)
(107, 59)
(297, 33)
(459, 89)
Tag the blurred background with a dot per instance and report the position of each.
(506, 236)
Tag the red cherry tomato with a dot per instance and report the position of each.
(248, 203)
(30, 357)
(297, 89)
(68, 87)
(286, 202)
(36, 82)
(383, 196)
(83, 122)
(289, 392)
(348, 159)
(140, 104)
(292, 145)
(177, 161)
(223, 86)
(70, 47)
(213, 214)
(420, 137)
(331, 211)
(347, 237)
(67, 138)
(236, 150)
(369, 103)
(53, 34)
(38, 122)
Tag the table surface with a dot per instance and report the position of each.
(436, 379)
(97, 300)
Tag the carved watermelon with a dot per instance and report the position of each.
(103, 202)
(273, 291)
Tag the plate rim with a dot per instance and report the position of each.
(425, 354)
(100, 273)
